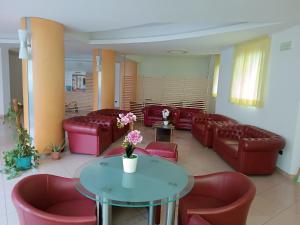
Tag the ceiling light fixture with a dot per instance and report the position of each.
(177, 52)
(25, 44)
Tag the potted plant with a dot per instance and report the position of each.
(165, 115)
(129, 159)
(56, 150)
(123, 120)
(23, 156)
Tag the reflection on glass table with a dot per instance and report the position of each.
(156, 182)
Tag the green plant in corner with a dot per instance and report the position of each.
(23, 156)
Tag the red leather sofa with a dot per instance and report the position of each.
(113, 114)
(218, 199)
(153, 113)
(183, 117)
(45, 199)
(203, 126)
(88, 135)
(248, 149)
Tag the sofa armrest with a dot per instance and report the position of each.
(261, 144)
(81, 127)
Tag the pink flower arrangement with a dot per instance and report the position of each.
(123, 120)
(131, 140)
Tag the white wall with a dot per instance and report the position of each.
(159, 65)
(78, 64)
(4, 80)
(281, 113)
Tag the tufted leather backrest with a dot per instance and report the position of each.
(88, 125)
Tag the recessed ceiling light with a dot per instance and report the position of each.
(177, 52)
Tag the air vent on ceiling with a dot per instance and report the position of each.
(284, 46)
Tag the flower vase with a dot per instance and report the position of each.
(130, 127)
(166, 122)
(129, 164)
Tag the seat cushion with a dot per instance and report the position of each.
(163, 149)
(229, 146)
(73, 208)
(197, 202)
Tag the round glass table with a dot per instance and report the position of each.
(156, 182)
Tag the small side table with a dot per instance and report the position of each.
(163, 132)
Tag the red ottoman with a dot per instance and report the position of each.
(163, 149)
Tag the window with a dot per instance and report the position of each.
(249, 72)
(216, 76)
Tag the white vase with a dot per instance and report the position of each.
(129, 164)
(166, 122)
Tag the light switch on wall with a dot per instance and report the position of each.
(284, 46)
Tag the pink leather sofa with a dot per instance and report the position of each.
(218, 199)
(45, 199)
(88, 135)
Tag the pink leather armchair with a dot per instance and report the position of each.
(219, 199)
(248, 149)
(87, 135)
(153, 113)
(113, 114)
(183, 117)
(203, 125)
(45, 199)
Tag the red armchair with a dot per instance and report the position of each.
(203, 126)
(87, 135)
(183, 117)
(113, 114)
(51, 200)
(248, 149)
(153, 114)
(219, 199)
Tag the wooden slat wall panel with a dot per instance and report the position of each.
(84, 99)
(191, 92)
(128, 84)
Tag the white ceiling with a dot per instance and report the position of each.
(153, 26)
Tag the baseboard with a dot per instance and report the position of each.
(285, 174)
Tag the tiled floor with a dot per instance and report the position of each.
(277, 201)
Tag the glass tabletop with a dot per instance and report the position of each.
(156, 181)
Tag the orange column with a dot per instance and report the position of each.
(48, 78)
(108, 79)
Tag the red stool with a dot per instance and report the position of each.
(163, 149)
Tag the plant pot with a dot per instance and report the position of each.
(55, 155)
(129, 164)
(23, 163)
(166, 122)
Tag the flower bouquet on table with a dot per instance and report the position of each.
(165, 115)
(123, 120)
(129, 159)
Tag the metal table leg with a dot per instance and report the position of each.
(151, 215)
(170, 212)
(106, 213)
